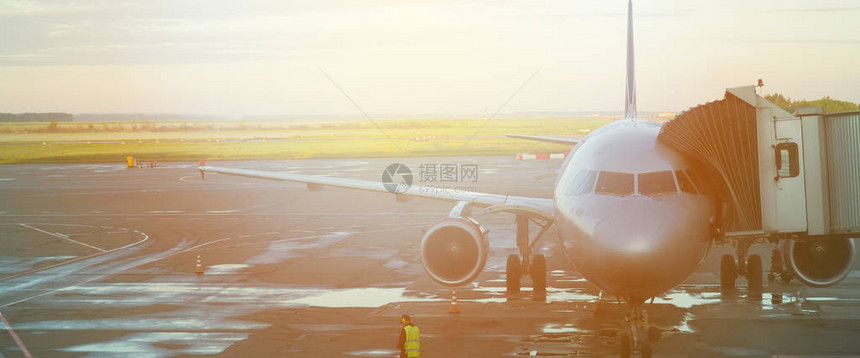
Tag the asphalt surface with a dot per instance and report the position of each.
(100, 260)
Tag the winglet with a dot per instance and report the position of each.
(630, 95)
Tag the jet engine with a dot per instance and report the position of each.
(819, 263)
(454, 250)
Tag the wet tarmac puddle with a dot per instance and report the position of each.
(374, 353)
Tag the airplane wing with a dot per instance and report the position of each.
(556, 140)
(493, 203)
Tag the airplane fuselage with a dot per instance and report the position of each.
(633, 220)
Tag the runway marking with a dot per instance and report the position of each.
(64, 237)
(145, 238)
(113, 273)
(15, 337)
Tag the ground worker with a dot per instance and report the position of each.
(410, 340)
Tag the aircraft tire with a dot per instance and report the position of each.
(728, 273)
(513, 273)
(538, 273)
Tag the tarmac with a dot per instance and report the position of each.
(99, 260)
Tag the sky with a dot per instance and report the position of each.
(243, 58)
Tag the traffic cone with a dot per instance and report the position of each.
(454, 309)
(199, 269)
(798, 305)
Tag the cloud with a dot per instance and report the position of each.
(818, 9)
(167, 32)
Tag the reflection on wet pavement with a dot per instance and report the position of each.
(225, 269)
(161, 344)
(682, 299)
(560, 328)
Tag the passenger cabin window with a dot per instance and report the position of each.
(787, 163)
(657, 183)
(615, 183)
(684, 182)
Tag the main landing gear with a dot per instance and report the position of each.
(778, 271)
(747, 265)
(525, 263)
(635, 332)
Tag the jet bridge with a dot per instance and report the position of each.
(782, 174)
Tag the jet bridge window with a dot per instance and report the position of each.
(615, 183)
(787, 163)
(657, 183)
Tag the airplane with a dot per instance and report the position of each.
(636, 216)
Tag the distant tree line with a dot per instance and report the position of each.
(36, 117)
(828, 104)
(143, 117)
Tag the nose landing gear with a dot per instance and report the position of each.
(525, 262)
(635, 332)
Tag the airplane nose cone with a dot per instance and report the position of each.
(642, 249)
(636, 236)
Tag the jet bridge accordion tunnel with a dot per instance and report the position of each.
(722, 136)
(792, 177)
(779, 173)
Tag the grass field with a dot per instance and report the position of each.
(182, 141)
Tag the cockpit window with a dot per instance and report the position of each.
(615, 183)
(657, 183)
(684, 182)
(587, 183)
(574, 185)
(583, 182)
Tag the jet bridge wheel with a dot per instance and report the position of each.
(754, 276)
(728, 273)
(513, 272)
(538, 273)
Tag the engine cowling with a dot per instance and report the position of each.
(454, 251)
(819, 263)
